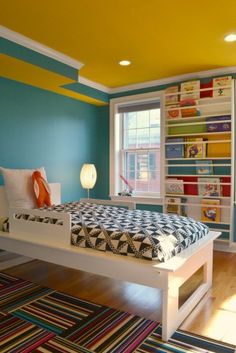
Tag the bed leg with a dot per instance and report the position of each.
(170, 306)
(208, 268)
(172, 314)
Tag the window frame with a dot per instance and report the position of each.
(116, 147)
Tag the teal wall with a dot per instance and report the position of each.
(102, 153)
(40, 128)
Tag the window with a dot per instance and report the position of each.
(136, 146)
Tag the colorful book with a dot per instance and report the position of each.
(218, 126)
(207, 92)
(173, 205)
(173, 112)
(196, 148)
(220, 83)
(209, 187)
(174, 186)
(190, 110)
(209, 210)
(190, 90)
(175, 150)
(204, 167)
(173, 98)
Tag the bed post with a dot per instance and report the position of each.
(173, 314)
(170, 298)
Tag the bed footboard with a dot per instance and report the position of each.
(55, 229)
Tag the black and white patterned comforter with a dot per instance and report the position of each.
(138, 233)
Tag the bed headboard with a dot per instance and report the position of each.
(55, 196)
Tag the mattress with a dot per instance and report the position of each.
(139, 233)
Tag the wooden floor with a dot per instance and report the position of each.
(214, 317)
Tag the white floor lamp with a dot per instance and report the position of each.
(88, 176)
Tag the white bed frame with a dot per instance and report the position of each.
(37, 240)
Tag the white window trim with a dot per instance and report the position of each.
(114, 143)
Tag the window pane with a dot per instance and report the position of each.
(143, 138)
(143, 119)
(130, 157)
(142, 171)
(130, 138)
(152, 160)
(155, 118)
(141, 133)
(154, 181)
(131, 176)
(154, 137)
(142, 182)
(142, 166)
(130, 120)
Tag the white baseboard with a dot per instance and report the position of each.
(14, 261)
(224, 245)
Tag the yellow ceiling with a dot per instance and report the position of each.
(162, 38)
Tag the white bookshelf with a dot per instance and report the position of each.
(220, 156)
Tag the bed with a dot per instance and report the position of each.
(37, 239)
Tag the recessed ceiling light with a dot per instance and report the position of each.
(124, 62)
(230, 37)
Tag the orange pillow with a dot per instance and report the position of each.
(41, 190)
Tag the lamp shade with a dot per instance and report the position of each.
(88, 176)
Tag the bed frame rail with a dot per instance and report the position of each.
(46, 232)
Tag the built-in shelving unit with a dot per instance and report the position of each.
(206, 176)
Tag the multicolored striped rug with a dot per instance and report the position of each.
(34, 318)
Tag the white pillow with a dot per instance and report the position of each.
(19, 187)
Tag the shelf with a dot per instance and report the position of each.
(200, 90)
(222, 230)
(199, 106)
(202, 134)
(189, 142)
(223, 223)
(199, 165)
(199, 175)
(193, 204)
(183, 129)
(199, 123)
(192, 182)
(198, 159)
(198, 197)
(199, 117)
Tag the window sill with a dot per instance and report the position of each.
(143, 200)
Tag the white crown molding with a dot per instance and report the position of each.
(163, 81)
(92, 84)
(173, 79)
(38, 47)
